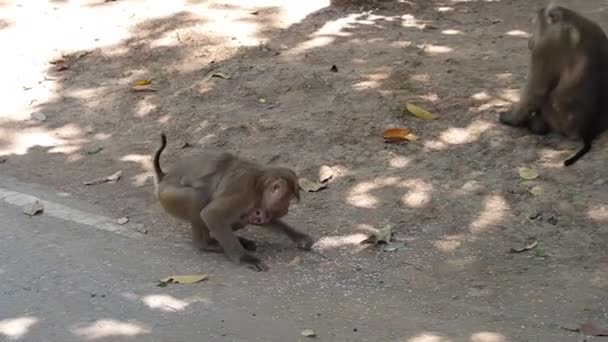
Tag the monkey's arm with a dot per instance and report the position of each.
(219, 216)
(302, 240)
(541, 80)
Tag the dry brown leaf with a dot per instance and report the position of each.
(143, 88)
(383, 235)
(592, 329)
(113, 178)
(309, 333)
(61, 67)
(184, 279)
(38, 117)
(34, 208)
(325, 173)
(57, 60)
(221, 75)
(310, 186)
(398, 134)
(531, 244)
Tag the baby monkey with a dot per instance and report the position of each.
(566, 90)
(219, 193)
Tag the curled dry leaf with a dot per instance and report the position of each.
(221, 75)
(527, 173)
(57, 60)
(142, 82)
(93, 149)
(398, 135)
(61, 67)
(143, 88)
(310, 186)
(383, 235)
(393, 246)
(537, 190)
(531, 244)
(419, 112)
(309, 333)
(325, 173)
(113, 178)
(34, 208)
(38, 117)
(183, 279)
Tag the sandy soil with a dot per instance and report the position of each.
(454, 195)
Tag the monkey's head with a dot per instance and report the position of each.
(280, 189)
(554, 26)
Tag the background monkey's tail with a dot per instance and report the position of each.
(579, 154)
(157, 170)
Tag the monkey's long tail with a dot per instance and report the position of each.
(160, 174)
(579, 154)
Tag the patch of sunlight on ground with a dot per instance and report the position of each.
(15, 328)
(495, 209)
(518, 33)
(485, 336)
(419, 193)
(105, 328)
(428, 337)
(75, 26)
(335, 242)
(19, 142)
(598, 213)
(458, 136)
(145, 162)
(359, 196)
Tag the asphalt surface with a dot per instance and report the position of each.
(63, 281)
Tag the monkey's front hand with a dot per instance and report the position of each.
(305, 243)
(254, 263)
(512, 118)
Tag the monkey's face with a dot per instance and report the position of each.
(278, 195)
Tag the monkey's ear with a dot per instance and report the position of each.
(553, 13)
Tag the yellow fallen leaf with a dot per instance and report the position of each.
(142, 82)
(527, 173)
(399, 134)
(185, 279)
(262, 100)
(419, 112)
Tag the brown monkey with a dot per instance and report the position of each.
(567, 80)
(219, 193)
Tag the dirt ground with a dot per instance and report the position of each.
(454, 195)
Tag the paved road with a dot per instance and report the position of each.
(63, 281)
